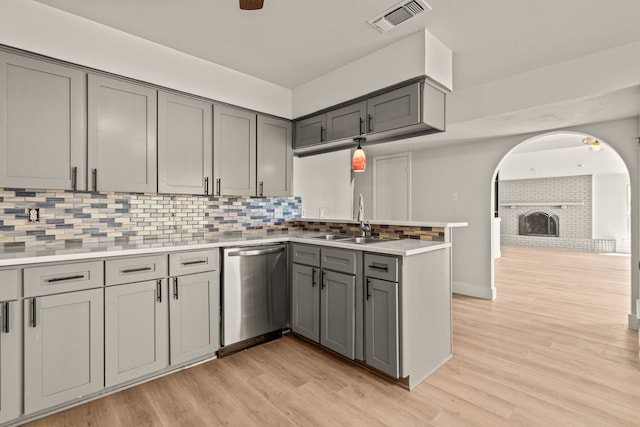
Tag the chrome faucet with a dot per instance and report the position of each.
(365, 228)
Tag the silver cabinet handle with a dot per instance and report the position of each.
(206, 185)
(94, 178)
(5, 317)
(136, 270)
(379, 267)
(261, 189)
(74, 178)
(159, 290)
(361, 125)
(61, 279)
(175, 287)
(370, 122)
(219, 184)
(33, 313)
(200, 261)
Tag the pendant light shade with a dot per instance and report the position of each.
(359, 160)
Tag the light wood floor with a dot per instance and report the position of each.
(552, 350)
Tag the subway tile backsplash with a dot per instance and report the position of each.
(70, 218)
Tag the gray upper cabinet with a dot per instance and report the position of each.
(274, 157)
(234, 151)
(42, 124)
(122, 136)
(347, 122)
(395, 109)
(311, 131)
(63, 348)
(10, 357)
(184, 144)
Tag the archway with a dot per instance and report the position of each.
(585, 187)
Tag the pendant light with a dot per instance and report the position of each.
(359, 160)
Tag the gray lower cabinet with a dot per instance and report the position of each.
(323, 296)
(337, 318)
(305, 301)
(184, 144)
(194, 306)
(63, 348)
(10, 361)
(121, 136)
(42, 124)
(381, 325)
(395, 109)
(311, 131)
(234, 151)
(347, 122)
(136, 330)
(274, 157)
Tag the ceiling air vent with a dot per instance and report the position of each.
(397, 14)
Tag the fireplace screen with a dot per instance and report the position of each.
(539, 224)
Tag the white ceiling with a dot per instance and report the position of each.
(290, 42)
(559, 154)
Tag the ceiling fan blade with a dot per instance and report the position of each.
(251, 4)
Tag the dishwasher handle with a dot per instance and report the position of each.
(255, 251)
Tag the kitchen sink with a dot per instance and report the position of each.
(365, 240)
(332, 237)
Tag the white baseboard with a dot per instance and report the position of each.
(474, 290)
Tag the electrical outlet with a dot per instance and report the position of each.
(278, 212)
(33, 214)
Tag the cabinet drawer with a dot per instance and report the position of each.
(135, 269)
(194, 262)
(53, 279)
(305, 254)
(381, 267)
(8, 285)
(341, 260)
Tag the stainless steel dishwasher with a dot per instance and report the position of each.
(254, 292)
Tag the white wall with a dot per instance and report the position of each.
(610, 207)
(45, 30)
(324, 183)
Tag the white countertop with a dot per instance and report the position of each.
(404, 247)
(438, 224)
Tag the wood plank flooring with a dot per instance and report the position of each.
(552, 350)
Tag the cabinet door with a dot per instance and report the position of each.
(194, 308)
(63, 348)
(136, 330)
(234, 151)
(42, 124)
(305, 301)
(346, 122)
(122, 136)
(395, 109)
(275, 157)
(311, 131)
(381, 324)
(10, 369)
(185, 144)
(337, 307)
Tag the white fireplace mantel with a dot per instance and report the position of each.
(563, 205)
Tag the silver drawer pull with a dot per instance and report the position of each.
(136, 270)
(61, 279)
(200, 261)
(380, 267)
